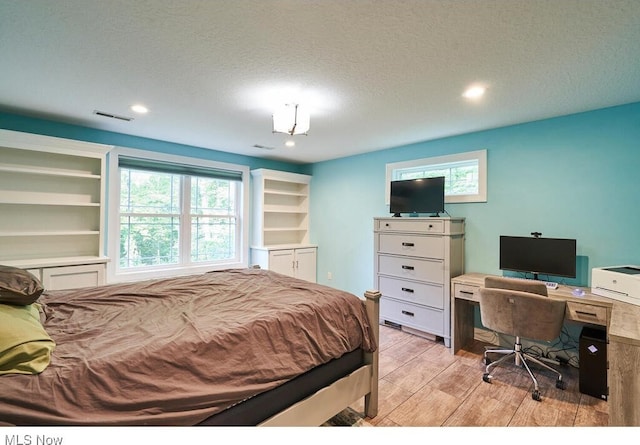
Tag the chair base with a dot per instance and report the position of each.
(521, 359)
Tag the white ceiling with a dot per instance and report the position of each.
(376, 73)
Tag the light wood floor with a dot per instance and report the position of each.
(423, 384)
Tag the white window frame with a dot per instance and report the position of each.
(394, 169)
(114, 273)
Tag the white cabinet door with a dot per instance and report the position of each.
(298, 263)
(73, 277)
(282, 261)
(305, 264)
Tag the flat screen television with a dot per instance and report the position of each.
(424, 195)
(548, 256)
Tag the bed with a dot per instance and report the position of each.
(232, 347)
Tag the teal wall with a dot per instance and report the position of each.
(576, 176)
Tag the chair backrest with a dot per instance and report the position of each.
(532, 286)
(519, 313)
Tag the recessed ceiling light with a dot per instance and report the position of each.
(474, 92)
(139, 109)
(290, 143)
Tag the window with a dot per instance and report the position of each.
(172, 216)
(465, 175)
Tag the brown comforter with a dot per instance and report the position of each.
(175, 351)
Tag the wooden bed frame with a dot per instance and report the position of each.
(329, 401)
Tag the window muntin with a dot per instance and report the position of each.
(465, 174)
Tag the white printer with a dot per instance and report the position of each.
(617, 282)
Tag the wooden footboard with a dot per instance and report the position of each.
(329, 401)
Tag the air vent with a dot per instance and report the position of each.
(112, 116)
(264, 147)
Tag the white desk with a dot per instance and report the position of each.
(621, 321)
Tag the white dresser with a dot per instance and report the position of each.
(414, 261)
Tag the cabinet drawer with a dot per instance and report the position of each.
(408, 225)
(412, 292)
(407, 314)
(466, 292)
(412, 268)
(414, 245)
(586, 313)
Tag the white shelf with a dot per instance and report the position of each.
(281, 224)
(49, 233)
(284, 193)
(284, 246)
(51, 202)
(18, 201)
(281, 208)
(15, 168)
(56, 262)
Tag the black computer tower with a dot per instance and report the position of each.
(593, 363)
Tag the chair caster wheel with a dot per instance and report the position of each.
(561, 384)
(535, 395)
(486, 377)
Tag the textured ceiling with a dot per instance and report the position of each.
(376, 74)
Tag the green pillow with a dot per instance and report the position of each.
(25, 347)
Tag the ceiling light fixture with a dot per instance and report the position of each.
(291, 119)
(139, 109)
(474, 92)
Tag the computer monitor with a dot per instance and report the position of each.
(536, 255)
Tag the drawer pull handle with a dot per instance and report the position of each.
(466, 292)
(406, 289)
(588, 314)
(410, 314)
(408, 267)
(408, 244)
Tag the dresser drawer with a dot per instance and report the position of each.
(418, 293)
(413, 245)
(466, 292)
(411, 268)
(409, 225)
(586, 313)
(407, 314)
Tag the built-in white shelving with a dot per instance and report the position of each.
(52, 202)
(281, 223)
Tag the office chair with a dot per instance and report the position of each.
(520, 308)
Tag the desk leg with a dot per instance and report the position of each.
(462, 323)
